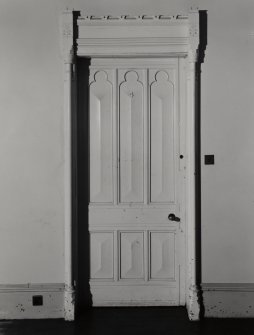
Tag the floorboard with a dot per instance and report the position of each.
(130, 321)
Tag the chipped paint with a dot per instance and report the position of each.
(69, 303)
(193, 306)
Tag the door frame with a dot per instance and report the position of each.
(179, 36)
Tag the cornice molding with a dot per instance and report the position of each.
(138, 36)
(132, 19)
(135, 17)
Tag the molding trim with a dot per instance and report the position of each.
(231, 287)
(228, 300)
(130, 18)
(138, 36)
(31, 287)
(16, 301)
(68, 59)
(133, 36)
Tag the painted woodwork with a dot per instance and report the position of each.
(101, 158)
(131, 255)
(134, 132)
(102, 251)
(162, 255)
(118, 44)
(131, 137)
(162, 137)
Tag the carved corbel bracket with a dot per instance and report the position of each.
(67, 37)
(197, 35)
(193, 34)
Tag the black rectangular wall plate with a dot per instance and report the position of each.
(37, 300)
(209, 159)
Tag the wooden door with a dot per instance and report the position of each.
(136, 210)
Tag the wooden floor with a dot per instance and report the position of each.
(130, 321)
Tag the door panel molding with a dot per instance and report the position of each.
(161, 266)
(162, 148)
(131, 255)
(131, 136)
(101, 139)
(102, 247)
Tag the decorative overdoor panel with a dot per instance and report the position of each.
(136, 218)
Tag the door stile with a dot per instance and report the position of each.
(146, 138)
(117, 130)
(182, 171)
(116, 265)
(146, 255)
(115, 139)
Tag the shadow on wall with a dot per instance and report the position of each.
(82, 136)
(201, 56)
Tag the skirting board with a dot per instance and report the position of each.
(16, 301)
(223, 300)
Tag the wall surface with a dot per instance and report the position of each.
(227, 131)
(31, 136)
(31, 144)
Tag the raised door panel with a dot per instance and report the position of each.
(131, 255)
(131, 136)
(101, 266)
(162, 255)
(162, 164)
(101, 149)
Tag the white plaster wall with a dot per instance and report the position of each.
(227, 131)
(31, 144)
(31, 136)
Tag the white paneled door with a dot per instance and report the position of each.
(137, 173)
